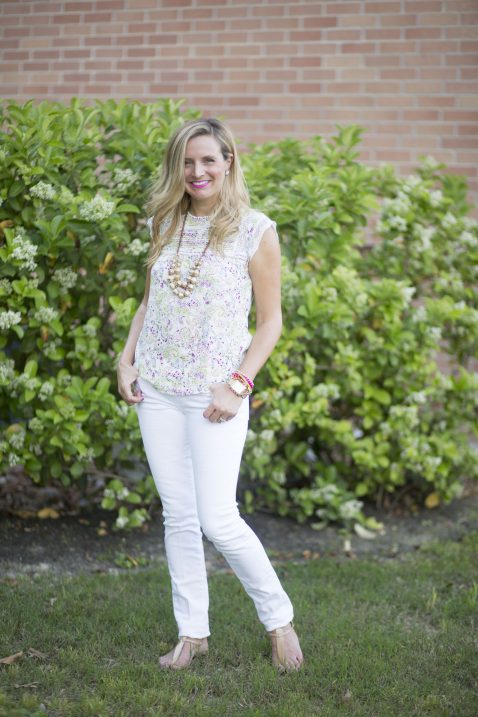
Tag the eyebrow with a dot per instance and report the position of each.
(207, 156)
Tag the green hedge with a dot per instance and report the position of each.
(350, 407)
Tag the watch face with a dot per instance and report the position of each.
(238, 387)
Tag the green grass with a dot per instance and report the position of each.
(380, 638)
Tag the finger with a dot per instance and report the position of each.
(208, 411)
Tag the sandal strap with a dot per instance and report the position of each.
(277, 634)
(281, 631)
(180, 645)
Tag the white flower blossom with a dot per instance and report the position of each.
(121, 521)
(108, 493)
(449, 220)
(45, 314)
(6, 286)
(46, 390)
(330, 293)
(468, 238)
(434, 332)
(137, 247)
(29, 383)
(126, 277)
(35, 424)
(350, 509)
(66, 277)
(122, 493)
(267, 435)
(7, 370)
(411, 182)
(327, 390)
(326, 492)
(89, 330)
(397, 222)
(430, 163)
(9, 319)
(51, 346)
(407, 293)
(123, 179)
(96, 209)
(43, 190)
(433, 461)
(424, 234)
(417, 397)
(420, 314)
(17, 439)
(470, 223)
(436, 197)
(13, 459)
(24, 252)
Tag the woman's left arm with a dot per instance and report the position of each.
(265, 272)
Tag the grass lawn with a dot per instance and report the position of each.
(380, 637)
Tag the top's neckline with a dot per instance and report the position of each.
(198, 219)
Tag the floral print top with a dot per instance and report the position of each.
(188, 343)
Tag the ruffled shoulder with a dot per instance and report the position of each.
(253, 225)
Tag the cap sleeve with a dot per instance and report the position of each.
(260, 223)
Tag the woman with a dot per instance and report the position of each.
(188, 366)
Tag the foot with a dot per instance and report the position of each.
(182, 655)
(286, 653)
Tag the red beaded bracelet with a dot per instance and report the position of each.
(239, 375)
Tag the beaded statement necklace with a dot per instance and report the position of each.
(184, 288)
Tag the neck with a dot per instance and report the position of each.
(201, 209)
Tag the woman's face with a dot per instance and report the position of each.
(204, 170)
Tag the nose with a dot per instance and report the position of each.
(198, 169)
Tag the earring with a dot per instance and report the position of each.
(227, 172)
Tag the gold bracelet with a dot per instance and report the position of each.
(239, 388)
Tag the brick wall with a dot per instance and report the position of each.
(406, 70)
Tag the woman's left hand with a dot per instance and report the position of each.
(224, 404)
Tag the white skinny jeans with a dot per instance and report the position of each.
(195, 466)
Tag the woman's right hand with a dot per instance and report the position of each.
(127, 386)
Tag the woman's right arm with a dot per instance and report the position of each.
(126, 372)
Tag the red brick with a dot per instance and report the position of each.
(382, 7)
(359, 47)
(422, 33)
(419, 6)
(398, 20)
(341, 35)
(340, 8)
(304, 36)
(458, 116)
(459, 142)
(462, 32)
(382, 34)
(398, 73)
(65, 18)
(468, 129)
(401, 47)
(97, 17)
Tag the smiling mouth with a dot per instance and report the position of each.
(200, 185)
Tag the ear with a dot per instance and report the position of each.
(229, 160)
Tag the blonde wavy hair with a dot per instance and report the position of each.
(168, 197)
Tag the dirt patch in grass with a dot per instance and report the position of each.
(88, 543)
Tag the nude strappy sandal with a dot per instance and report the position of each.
(280, 660)
(197, 648)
